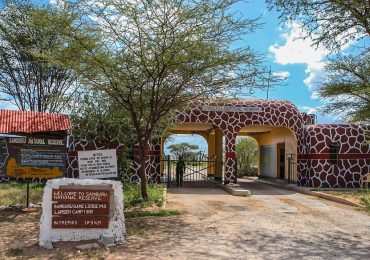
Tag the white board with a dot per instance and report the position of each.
(97, 164)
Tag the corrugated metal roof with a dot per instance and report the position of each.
(15, 121)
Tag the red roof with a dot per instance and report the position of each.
(15, 121)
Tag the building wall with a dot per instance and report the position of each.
(315, 167)
(82, 144)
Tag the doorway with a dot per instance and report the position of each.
(281, 161)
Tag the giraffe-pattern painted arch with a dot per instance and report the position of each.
(264, 112)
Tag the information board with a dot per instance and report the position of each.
(32, 157)
(80, 208)
(97, 164)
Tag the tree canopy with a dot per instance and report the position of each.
(186, 150)
(332, 23)
(347, 87)
(246, 151)
(33, 52)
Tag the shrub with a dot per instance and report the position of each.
(132, 195)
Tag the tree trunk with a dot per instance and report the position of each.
(143, 151)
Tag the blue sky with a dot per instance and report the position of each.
(290, 56)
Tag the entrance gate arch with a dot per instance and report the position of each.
(312, 159)
(231, 115)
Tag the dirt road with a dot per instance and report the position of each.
(271, 224)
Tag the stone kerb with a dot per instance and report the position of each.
(116, 225)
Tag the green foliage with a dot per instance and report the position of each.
(133, 198)
(186, 150)
(15, 193)
(124, 168)
(36, 56)
(246, 156)
(330, 23)
(347, 87)
(99, 119)
(96, 119)
(160, 213)
(365, 201)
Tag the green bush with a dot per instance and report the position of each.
(246, 156)
(124, 168)
(132, 195)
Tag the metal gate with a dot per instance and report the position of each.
(197, 169)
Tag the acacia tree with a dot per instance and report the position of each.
(246, 150)
(347, 87)
(154, 57)
(185, 150)
(332, 23)
(33, 52)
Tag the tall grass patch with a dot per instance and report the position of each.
(15, 193)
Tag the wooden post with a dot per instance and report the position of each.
(28, 194)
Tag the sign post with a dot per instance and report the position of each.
(28, 194)
(97, 164)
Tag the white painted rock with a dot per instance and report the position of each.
(116, 228)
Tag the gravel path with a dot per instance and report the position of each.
(271, 224)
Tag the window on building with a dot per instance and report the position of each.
(333, 153)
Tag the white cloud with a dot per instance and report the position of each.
(309, 110)
(315, 95)
(281, 74)
(297, 50)
(315, 74)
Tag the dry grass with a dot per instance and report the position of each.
(15, 193)
(360, 196)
